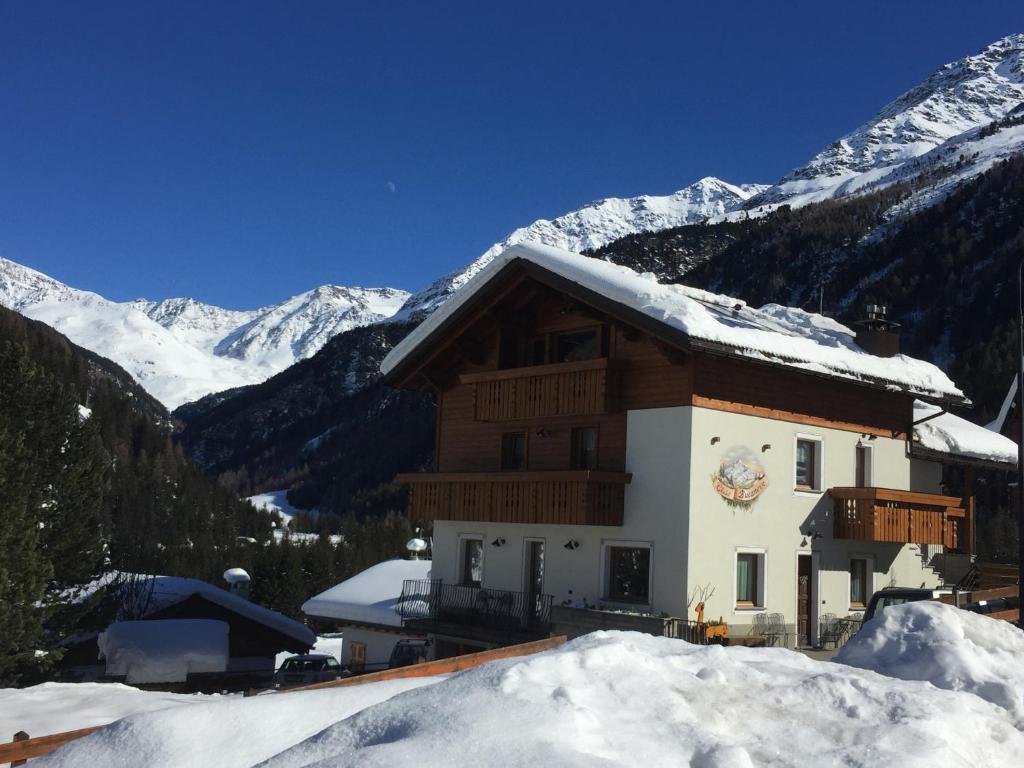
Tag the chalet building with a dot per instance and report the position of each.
(609, 449)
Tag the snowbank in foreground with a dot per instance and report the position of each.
(55, 707)
(952, 649)
(229, 733)
(609, 699)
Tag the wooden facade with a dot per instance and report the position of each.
(495, 375)
(885, 514)
(570, 497)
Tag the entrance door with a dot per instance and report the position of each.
(534, 579)
(803, 600)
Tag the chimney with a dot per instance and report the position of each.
(876, 334)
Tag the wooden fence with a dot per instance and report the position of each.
(24, 747)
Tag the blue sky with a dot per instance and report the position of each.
(242, 152)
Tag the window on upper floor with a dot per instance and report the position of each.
(570, 346)
(864, 468)
(584, 448)
(808, 464)
(629, 573)
(513, 451)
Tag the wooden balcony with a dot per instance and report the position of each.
(568, 497)
(885, 514)
(582, 388)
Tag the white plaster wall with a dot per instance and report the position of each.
(378, 645)
(774, 522)
(657, 453)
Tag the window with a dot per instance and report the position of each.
(863, 471)
(513, 451)
(357, 657)
(629, 574)
(584, 448)
(750, 575)
(577, 345)
(472, 568)
(808, 464)
(858, 582)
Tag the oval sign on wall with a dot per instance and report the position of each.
(740, 477)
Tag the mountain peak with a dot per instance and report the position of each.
(958, 97)
(596, 224)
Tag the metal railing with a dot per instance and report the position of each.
(431, 600)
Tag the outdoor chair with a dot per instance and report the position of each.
(778, 628)
(829, 630)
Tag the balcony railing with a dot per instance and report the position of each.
(566, 497)
(432, 605)
(580, 388)
(886, 514)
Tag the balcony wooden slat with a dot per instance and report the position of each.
(567, 497)
(888, 514)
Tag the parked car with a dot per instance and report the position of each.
(890, 596)
(409, 652)
(309, 668)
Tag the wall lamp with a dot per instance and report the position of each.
(572, 544)
(542, 432)
(715, 439)
(766, 447)
(498, 542)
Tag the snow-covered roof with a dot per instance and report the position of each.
(773, 333)
(953, 436)
(371, 596)
(169, 590)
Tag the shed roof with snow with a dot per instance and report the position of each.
(688, 318)
(943, 436)
(369, 597)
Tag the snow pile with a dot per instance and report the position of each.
(607, 699)
(56, 707)
(952, 435)
(164, 650)
(950, 648)
(773, 333)
(370, 596)
(231, 732)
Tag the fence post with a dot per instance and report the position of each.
(19, 736)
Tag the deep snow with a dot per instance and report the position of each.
(621, 699)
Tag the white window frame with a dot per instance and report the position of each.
(762, 581)
(869, 466)
(819, 464)
(460, 557)
(869, 579)
(606, 545)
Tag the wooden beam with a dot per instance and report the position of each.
(26, 749)
(439, 667)
(796, 418)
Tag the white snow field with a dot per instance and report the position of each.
(620, 699)
(57, 707)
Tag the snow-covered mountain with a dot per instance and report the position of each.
(182, 349)
(597, 224)
(933, 133)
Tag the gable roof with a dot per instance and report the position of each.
(170, 590)
(369, 597)
(691, 319)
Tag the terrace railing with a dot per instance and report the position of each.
(432, 602)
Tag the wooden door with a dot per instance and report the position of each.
(803, 600)
(357, 657)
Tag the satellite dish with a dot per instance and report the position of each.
(416, 545)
